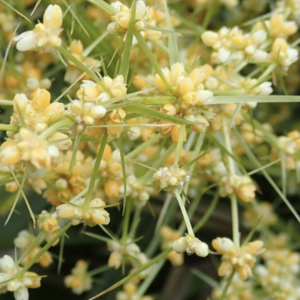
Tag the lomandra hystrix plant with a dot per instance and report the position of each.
(132, 127)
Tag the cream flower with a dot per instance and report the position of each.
(121, 18)
(45, 36)
(94, 214)
(241, 259)
(85, 113)
(242, 186)
(37, 113)
(11, 282)
(283, 54)
(190, 244)
(125, 252)
(79, 281)
(138, 192)
(171, 179)
(49, 224)
(92, 92)
(30, 148)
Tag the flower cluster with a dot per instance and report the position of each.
(278, 276)
(11, 281)
(239, 259)
(45, 36)
(89, 111)
(125, 252)
(67, 182)
(191, 95)
(171, 179)
(266, 43)
(146, 18)
(191, 245)
(241, 186)
(78, 211)
(79, 281)
(48, 223)
(287, 147)
(155, 112)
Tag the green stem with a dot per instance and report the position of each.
(152, 59)
(229, 92)
(135, 222)
(234, 205)
(103, 5)
(208, 213)
(184, 214)
(209, 13)
(95, 171)
(283, 173)
(55, 127)
(235, 220)
(265, 75)
(163, 213)
(9, 127)
(99, 270)
(158, 100)
(125, 57)
(227, 286)
(179, 144)
(126, 221)
(6, 102)
(254, 99)
(156, 239)
(191, 212)
(147, 282)
(192, 166)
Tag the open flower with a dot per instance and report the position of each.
(48, 223)
(283, 54)
(45, 36)
(171, 178)
(11, 282)
(239, 259)
(92, 92)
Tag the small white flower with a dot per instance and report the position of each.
(45, 36)
(223, 55)
(171, 178)
(12, 282)
(190, 244)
